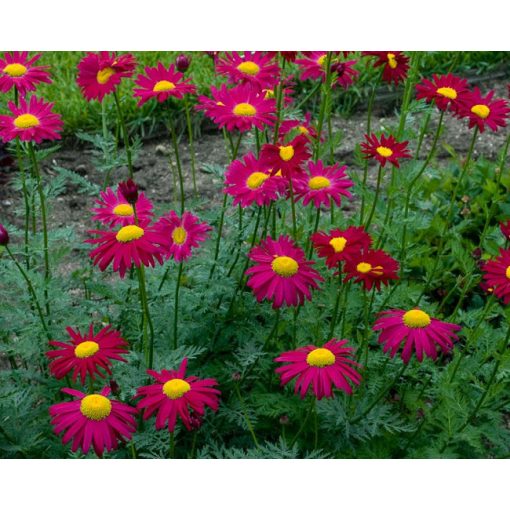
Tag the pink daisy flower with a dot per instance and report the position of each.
(87, 354)
(287, 159)
(100, 73)
(93, 420)
(114, 210)
(446, 91)
(320, 367)
(322, 184)
(248, 181)
(384, 149)
(255, 68)
(30, 122)
(17, 70)
(162, 83)
(298, 127)
(174, 395)
(180, 235)
(497, 275)
(417, 331)
(131, 244)
(395, 64)
(282, 274)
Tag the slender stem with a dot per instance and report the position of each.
(125, 134)
(178, 162)
(293, 208)
(245, 416)
(176, 304)
(376, 196)
(191, 145)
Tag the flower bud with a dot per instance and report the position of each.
(182, 63)
(129, 191)
(4, 236)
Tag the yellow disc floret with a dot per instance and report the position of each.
(285, 266)
(286, 152)
(86, 349)
(248, 67)
(319, 182)
(416, 319)
(163, 86)
(385, 152)
(95, 407)
(338, 244)
(179, 235)
(364, 267)
(320, 358)
(481, 110)
(244, 110)
(447, 92)
(392, 61)
(123, 210)
(25, 121)
(15, 70)
(129, 233)
(104, 75)
(176, 388)
(256, 179)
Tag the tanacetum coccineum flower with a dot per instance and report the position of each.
(371, 267)
(417, 331)
(287, 158)
(446, 91)
(255, 68)
(248, 181)
(131, 244)
(241, 108)
(113, 209)
(395, 63)
(340, 244)
(281, 274)
(174, 395)
(320, 367)
(483, 111)
(497, 275)
(161, 83)
(100, 73)
(93, 420)
(17, 70)
(384, 149)
(31, 122)
(322, 184)
(87, 354)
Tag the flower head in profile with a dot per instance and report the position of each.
(281, 273)
(19, 71)
(416, 331)
(446, 91)
(496, 274)
(286, 158)
(89, 354)
(32, 121)
(100, 73)
(322, 368)
(371, 268)
(93, 420)
(161, 83)
(384, 149)
(395, 65)
(175, 395)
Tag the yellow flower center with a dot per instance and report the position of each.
(447, 92)
(95, 407)
(416, 319)
(25, 121)
(244, 110)
(248, 67)
(322, 60)
(179, 235)
(86, 349)
(15, 70)
(176, 388)
(104, 75)
(303, 130)
(507, 272)
(385, 152)
(123, 210)
(163, 86)
(392, 61)
(269, 94)
(319, 182)
(286, 152)
(285, 266)
(320, 358)
(364, 267)
(256, 179)
(129, 233)
(338, 244)
(481, 110)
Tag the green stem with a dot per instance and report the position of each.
(191, 145)
(176, 304)
(376, 196)
(125, 134)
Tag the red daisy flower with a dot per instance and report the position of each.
(93, 420)
(100, 73)
(180, 235)
(446, 91)
(31, 122)
(483, 111)
(255, 68)
(298, 127)
(384, 149)
(417, 331)
(175, 394)
(241, 107)
(162, 83)
(282, 273)
(340, 244)
(131, 244)
(395, 63)
(113, 209)
(248, 181)
(371, 267)
(321, 367)
(322, 184)
(17, 70)
(286, 158)
(497, 275)
(87, 354)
